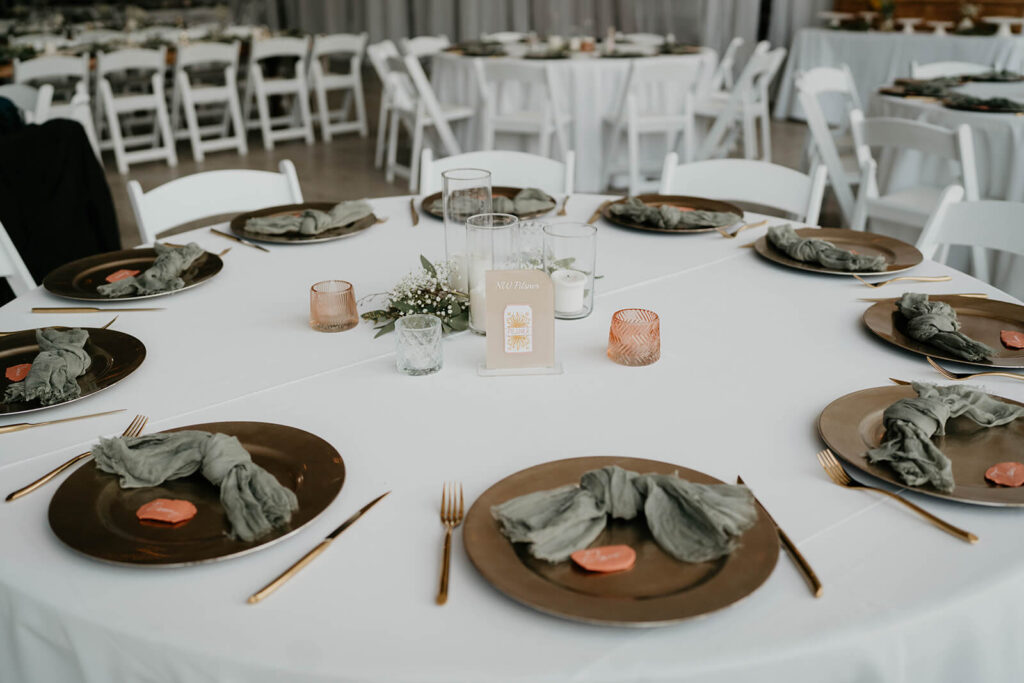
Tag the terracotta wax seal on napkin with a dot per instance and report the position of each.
(121, 274)
(16, 373)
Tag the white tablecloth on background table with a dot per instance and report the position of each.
(588, 88)
(876, 58)
(751, 353)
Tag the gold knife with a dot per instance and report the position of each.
(412, 209)
(794, 553)
(18, 426)
(239, 239)
(597, 213)
(311, 555)
(87, 309)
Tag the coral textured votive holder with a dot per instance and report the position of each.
(332, 306)
(635, 337)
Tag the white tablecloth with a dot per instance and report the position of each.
(588, 88)
(876, 58)
(751, 353)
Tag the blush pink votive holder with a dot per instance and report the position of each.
(635, 337)
(332, 306)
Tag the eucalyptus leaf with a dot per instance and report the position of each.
(460, 323)
(384, 330)
(428, 266)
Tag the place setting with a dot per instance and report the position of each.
(306, 223)
(837, 251)
(676, 214)
(522, 202)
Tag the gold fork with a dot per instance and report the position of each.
(451, 517)
(960, 376)
(565, 202)
(909, 278)
(838, 475)
(134, 429)
(729, 235)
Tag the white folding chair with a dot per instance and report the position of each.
(12, 268)
(425, 115)
(260, 87)
(229, 131)
(763, 183)
(322, 80)
(513, 169)
(503, 37)
(657, 99)
(942, 69)
(722, 77)
(211, 193)
(161, 141)
(63, 73)
(81, 111)
(32, 102)
(981, 225)
(391, 88)
(912, 205)
(832, 146)
(40, 42)
(424, 46)
(740, 110)
(532, 86)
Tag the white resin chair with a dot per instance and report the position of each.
(502, 37)
(188, 97)
(32, 102)
(533, 86)
(909, 206)
(260, 87)
(40, 41)
(212, 193)
(657, 100)
(58, 70)
(776, 187)
(722, 78)
(981, 225)
(80, 109)
(513, 169)
(12, 268)
(424, 115)
(161, 141)
(322, 80)
(739, 111)
(424, 46)
(831, 146)
(941, 69)
(392, 87)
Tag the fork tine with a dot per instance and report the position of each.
(840, 472)
(461, 503)
(444, 488)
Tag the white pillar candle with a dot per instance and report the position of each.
(478, 308)
(569, 288)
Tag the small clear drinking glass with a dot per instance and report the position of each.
(418, 349)
(332, 306)
(465, 192)
(492, 243)
(570, 256)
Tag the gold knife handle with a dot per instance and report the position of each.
(801, 562)
(24, 491)
(70, 309)
(941, 523)
(17, 427)
(412, 210)
(923, 278)
(442, 591)
(290, 572)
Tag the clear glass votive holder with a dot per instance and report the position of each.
(635, 337)
(570, 256)
(465, 192)
(332, 306)
(418, 349)
(531, 245)
(492, 243)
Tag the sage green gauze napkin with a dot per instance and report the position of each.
(995, 104)
(824, 253)
(691, 522)
(527, 200)
(53, 376)
(910, 423)
(670, 217)
(163, 276)
(935, 323)
(311, 221)
(254, 501)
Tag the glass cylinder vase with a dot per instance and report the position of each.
(570, 256)
(466, 192)
(492, 243)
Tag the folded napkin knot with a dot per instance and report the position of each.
(935, 323)
(822, 252)
(692, 522)
(311, 221)
(53, 377)
(163, 276)
(670, 217)
(254, 501)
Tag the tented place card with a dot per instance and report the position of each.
(520, 323)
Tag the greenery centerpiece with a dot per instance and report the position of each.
(428, 291)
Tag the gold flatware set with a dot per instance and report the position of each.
(731, 235)
(961, 376)
(451, 517)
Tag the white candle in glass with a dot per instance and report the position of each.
(569, 289)
(478, 267)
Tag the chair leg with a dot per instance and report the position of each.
(262, 105)
(389, 173)
(417, 149)
(164, 126)
(382, 131)
(305, 115)
(633, 145)
(766, 133)
(234, 110)
(609, 157)
(360, 106)
(321, 107)
(192, 121)
(749, 137)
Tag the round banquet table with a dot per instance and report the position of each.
(751, 353)
(876, 58)
(589, 88)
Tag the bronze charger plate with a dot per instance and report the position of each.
(92, 514)
(79, 279)
(499, 191)
(238, 224)
(980, 319)
(678, 201)
(852, 424)
(899, 256)
(658, 590)
(1017, 110)
(115, 355)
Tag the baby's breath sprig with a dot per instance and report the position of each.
(423, 291)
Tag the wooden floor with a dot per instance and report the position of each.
(343, 168)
